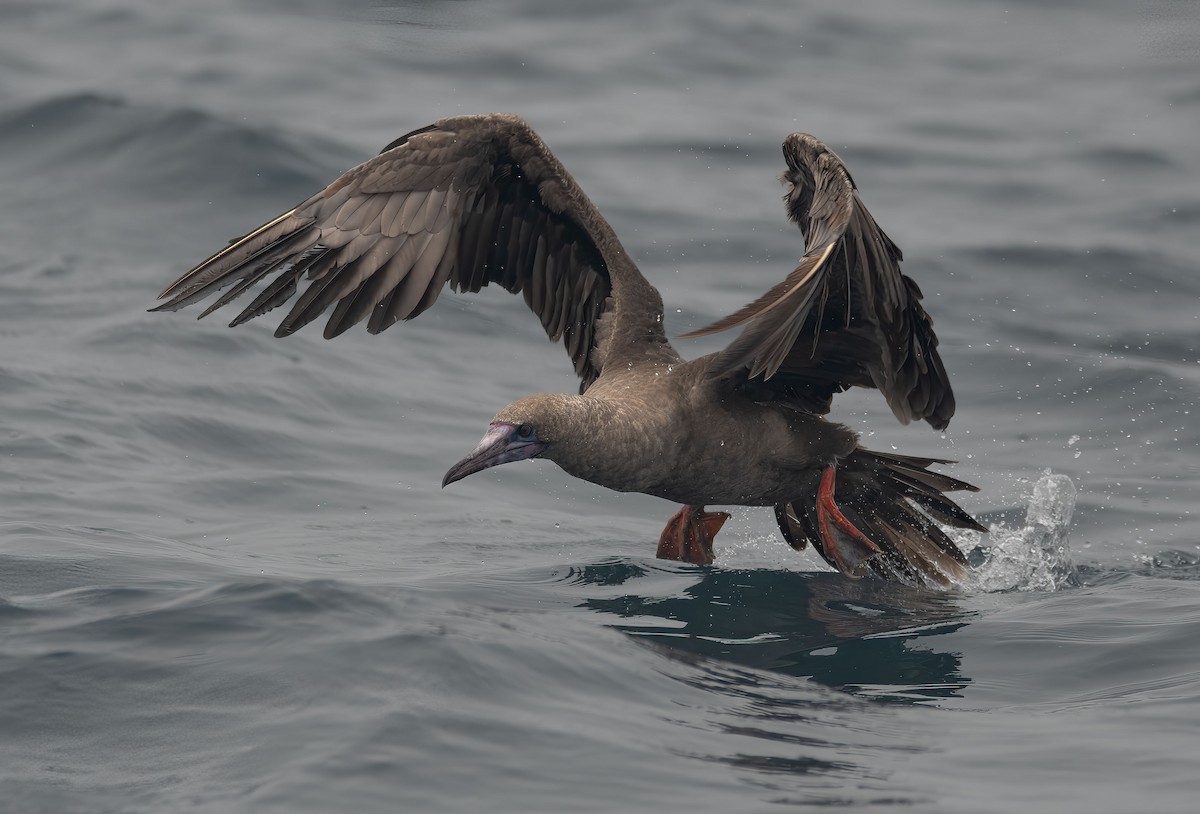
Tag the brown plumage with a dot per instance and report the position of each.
(476, 200)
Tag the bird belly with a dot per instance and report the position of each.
(712, 484)
(737, 469)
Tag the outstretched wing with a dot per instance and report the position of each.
(470, 200)
(846, 316)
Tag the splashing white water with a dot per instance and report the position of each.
(1036, 557)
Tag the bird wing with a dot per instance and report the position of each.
(469, 200)
(846, 316)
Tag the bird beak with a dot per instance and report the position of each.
(497, 447)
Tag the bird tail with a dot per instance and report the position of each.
(874, 512)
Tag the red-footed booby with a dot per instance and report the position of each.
(476, 200)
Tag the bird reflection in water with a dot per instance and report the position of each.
(860, 636)
(765, 647)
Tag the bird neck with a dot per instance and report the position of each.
(609, 441)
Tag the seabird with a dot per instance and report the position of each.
(479, 200)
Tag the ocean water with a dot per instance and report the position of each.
(229, 580)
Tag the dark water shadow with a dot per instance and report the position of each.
(866, 637)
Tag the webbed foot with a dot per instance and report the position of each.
(850, 548)
(689, 535)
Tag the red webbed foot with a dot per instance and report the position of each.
(689, 535)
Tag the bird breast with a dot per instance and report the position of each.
(679, 439)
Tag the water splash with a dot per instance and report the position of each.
(1036, 557)
(1033, 557)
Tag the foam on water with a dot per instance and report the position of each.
(1035, 557)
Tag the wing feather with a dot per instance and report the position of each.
(467, 201)
(846, 316)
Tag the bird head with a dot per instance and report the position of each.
(524, 429)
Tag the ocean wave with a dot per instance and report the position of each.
(77, 146)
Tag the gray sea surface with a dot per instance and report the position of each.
(230, 580)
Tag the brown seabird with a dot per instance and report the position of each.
(475, 200)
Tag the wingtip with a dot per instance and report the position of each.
(173, 287)
(172, 304)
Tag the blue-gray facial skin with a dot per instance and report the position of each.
(502, 444)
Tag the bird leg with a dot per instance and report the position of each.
(689, 535)
(849, 547)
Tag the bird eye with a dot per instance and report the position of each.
(524, 432)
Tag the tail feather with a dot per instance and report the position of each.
(935, 503)
(894, 501)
